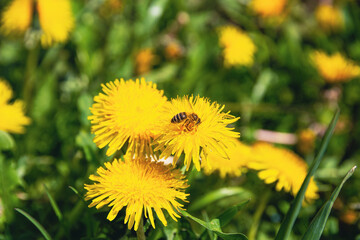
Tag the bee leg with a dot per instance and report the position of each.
(186, 125)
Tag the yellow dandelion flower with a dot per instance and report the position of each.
(268, 8)
(55, 17)
(144, 60)
(238, 47)
(12, 115)
(282, 166)
(56, 20)
(203, 129)
(306, 141)
(335, 68)
(239, 156)
(127, 111)
(139, 185)
(17, 16)
(329, 17)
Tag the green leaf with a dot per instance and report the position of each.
(74, 190)
(294, 210)
(84, 140)
(9, 180)
(36, 223)
(262, 83)
(84, 103)
(219, 194)
(214, 225)
(53, 204)
(6, 141)
(226, 216)
(317, 225)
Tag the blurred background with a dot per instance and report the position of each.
(270, 62)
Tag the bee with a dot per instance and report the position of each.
(190, 120)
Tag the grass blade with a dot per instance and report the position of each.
(294, 210)
(214, 225)
(317, 225)
(36, 223)
(218, 194)
(74, 190)
(229, 214)
(53, 204)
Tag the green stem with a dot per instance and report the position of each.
(257, 217)
(30, 75)
(140, 232)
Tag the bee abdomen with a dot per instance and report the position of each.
(178, 117)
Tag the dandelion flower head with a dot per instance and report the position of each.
(329, 17)
(55, 17)
(335, 68)
(239, 49)
(283, 167)
(239, 155)
(268, 8)
(211, 134)
(12, 118)
(16, 17)
(56, 20)
(127, 111)
(139, 185)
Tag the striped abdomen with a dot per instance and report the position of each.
(179, 117)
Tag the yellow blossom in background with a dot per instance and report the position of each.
(111, 7)
(239, 49)
(329, 17)
(282, 166)
(239, 156)
(56, 20)
(127, 111)
(268, 8)
(144, 60)
(173, 50)
(16, 17)
(306, 141)
(55, 17)
(195, 138)
(12, 116)
(335, 68)
(140, 185)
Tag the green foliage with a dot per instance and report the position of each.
(318, 223)
(6, 141)
(294, 210)
(36, 223)
(43, 171)
(214, 226)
